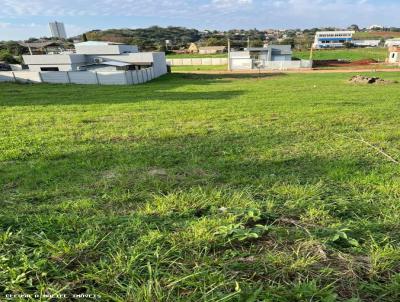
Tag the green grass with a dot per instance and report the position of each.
(196, 55)
(198, 68)
(202, 188)
(355, 54)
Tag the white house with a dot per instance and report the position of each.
(99, 56)
(271, 57)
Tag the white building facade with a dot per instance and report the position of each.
(332, 39)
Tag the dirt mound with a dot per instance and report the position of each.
(359, 79)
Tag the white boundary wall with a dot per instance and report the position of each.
(248, 64)
(197, 61)
(132, 77)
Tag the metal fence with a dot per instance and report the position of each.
(133, 77)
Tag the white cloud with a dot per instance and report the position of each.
(91, 8)
(231, 3)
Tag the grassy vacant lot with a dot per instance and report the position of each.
(354, 54)
(202, 188)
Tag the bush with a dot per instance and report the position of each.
(7, 57)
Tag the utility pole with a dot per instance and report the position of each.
(229, 54)
(248, 41)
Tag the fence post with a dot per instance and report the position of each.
(126, 77)
(40, 77)
(15, 79)
(142, 76)
(147, 74)
(69, 79)
(97, 78)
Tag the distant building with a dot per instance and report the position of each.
(193, 48)
(212, 50)
(57, 30)
(376, 27)
(99, 56)
(392, 42)
(332, 39)
(366, 43)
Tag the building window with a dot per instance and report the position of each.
(49, 69)
(393, 55)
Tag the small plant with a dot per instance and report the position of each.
(342, 238)
(239, 232)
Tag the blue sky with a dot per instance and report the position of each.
(21, 19)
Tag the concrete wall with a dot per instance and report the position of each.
(197, 61)
(81, 77)
(16, 67)
(159, 64)
(54, 59)
(241, 64)
(248, 64)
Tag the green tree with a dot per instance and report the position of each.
(256, 43)
(212, 42)
(7, 57)
(354, 27)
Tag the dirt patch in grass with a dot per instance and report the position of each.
(359, 79)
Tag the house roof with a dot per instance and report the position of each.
(41, 44)
(94, 43)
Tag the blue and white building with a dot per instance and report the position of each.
(332, 39)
